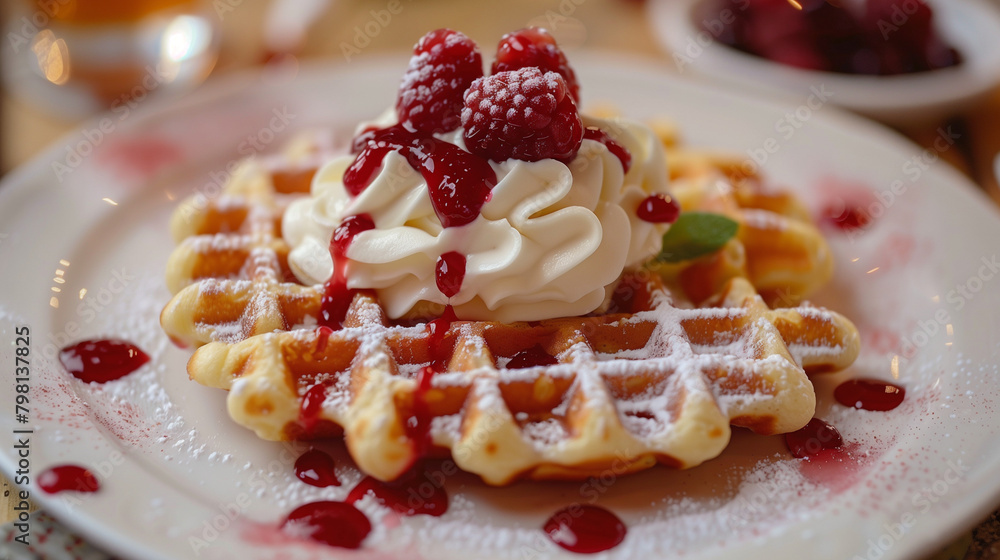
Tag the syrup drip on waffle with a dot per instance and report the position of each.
(337, 297)
(459, 182)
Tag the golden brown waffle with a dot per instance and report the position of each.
(646, 382)
(659, 384)
(777, 248)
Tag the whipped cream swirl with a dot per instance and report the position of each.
(551, 241)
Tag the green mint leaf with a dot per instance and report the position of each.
(695, 234)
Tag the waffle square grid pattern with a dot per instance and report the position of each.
(651, 380)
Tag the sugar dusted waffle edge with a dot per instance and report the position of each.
(653, 383)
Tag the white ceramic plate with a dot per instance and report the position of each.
(972, 26)
(174, 468)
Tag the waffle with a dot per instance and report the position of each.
(777, 248)
(651, 380)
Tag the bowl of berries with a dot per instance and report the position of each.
(903, 62)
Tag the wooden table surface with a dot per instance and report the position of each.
(594, 24)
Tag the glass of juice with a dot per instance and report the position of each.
(76, 57)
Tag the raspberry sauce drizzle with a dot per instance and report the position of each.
(331, 523)
(869, 394)
(100, 361)
(418, 426)
(322, 338)
(450, 272)
(316, 468)
(337, 297)
(530, 357)
(68, 478)
(312, 407)
(585, 529)
(816, 437)
(621, 152)
(418, 491)
(459, 183)
(436, 348)
(658, 208)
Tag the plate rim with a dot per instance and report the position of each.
(17, 184)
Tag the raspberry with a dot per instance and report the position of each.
(523, 114)
(533, 46)
(443, 65)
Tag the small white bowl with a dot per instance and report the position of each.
(971, 26)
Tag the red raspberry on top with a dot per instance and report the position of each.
(533, 46)
(443, 65)
(523, 114)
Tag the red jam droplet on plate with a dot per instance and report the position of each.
(100, 361)
(869, 394)
(585, 529)
(621, 152)
(412, 494)
(450, 272)
(534, 356)
(816, 437)
(847, 218)
(331, 523)
(68, 478)
(659, 209)
(316, 468)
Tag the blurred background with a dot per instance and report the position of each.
(94, 55)
(66, 61)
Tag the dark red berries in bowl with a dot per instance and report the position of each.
(904, 62)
